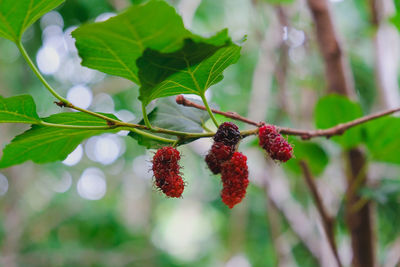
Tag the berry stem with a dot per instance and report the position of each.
(176, 143)
(203, 97)
(145, 118)
(152, 136)
(203, 125)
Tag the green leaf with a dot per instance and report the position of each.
(18, 109)
(395, 19)
(17, 15)
(149, 45)
(169, 115)
(191, 70)
(311, 152)
(382, 139)
(397, 4)
(43, 144)
(113, 46)
(335, 109)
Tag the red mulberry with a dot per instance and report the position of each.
(217, 155)
(228, 133)
(274, 143)
(235, 180)
(166, 171)
(171, 186)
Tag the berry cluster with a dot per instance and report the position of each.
(232, 165)
(228, 134)
(274, 143)
(225, 141)
(166, 171)
(222, 158)
(234, 175)
(218, 154)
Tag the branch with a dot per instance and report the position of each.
(327, 220)
(181, 100)
(304, 134)
(62, 101)
(28, 60)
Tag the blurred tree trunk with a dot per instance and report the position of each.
(386, 50)
(339, 79)
(337, 69)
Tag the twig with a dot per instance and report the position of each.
(181, 100)
(327, 220)
(304, 134)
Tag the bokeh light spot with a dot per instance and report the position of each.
(92, 184)
(3, 185)
(80, 96)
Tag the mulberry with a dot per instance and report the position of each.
(217, 155)
(234, 174)
(277, 147)
(227, 133)
(166, 171)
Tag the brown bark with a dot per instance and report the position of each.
(359, 218)
(337, 72)
(338, 75)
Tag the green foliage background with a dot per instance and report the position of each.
(133, 224)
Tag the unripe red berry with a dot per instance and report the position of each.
(166, 171)
(217, 155)
(227, 133)
(234, 174)
(277, 147)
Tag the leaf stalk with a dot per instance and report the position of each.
(203, 97)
